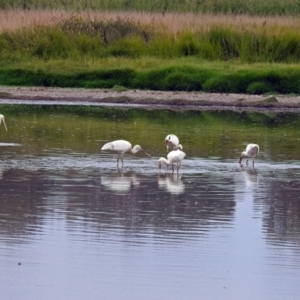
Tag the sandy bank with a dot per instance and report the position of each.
(152, 99)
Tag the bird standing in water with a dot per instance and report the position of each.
(175, 156)
(251, 151)
(122, 147)
(2, 120)
(172, 142)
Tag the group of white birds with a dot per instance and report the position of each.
(175, 156)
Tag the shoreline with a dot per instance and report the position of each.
(149, 99)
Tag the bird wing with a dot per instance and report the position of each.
(119, 145)
(176, 155)
(252, 149)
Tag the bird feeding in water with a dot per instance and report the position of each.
(2, 120)
(175, 156)
(251, 151)
(122, 147)
(172, 142)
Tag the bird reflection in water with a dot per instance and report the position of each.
(251, 177)
(1, 172)
(120, 183)
(172, 182)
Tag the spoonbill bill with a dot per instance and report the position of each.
(251, 151)
(175, 156)
(2, 120)
(172, 142)
(122, 147)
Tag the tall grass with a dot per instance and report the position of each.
(250, 7)
(59, 48)
(81, 37)
(12, 19)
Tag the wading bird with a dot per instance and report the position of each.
(2, 120)
(172, 142)
(251, 151)
(122, 147)
(175, 156)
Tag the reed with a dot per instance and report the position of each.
(250, 7)
(83, 37)
(13, 19)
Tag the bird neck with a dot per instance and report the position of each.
(162, 160)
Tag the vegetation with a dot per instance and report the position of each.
(250, 7)
(158, 51)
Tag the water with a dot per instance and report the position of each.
(74, 226)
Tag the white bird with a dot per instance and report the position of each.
(251, 151)
(2, 119)
(122, 147)
(172, 142)
(175, 156)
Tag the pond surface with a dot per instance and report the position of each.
(74, 226)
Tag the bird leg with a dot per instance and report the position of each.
(179, 165)
(120, 170)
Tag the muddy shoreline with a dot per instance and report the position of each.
(149, 99)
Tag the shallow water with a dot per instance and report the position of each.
(74, 226)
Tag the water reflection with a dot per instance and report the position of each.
(251, 176)
(281, 209)
(172, 182)
(68, 213)
(1, 172)
(120, 183)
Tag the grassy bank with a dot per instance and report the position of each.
(189, 52)
(170, 75)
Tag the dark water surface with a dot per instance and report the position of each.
(74, 226)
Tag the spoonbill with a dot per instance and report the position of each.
(172, 142)
(122, 147)
(175, 156)
(251, 151)
(2, 119)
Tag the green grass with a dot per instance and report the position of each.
(78, 52)
(79, 38)
(185, 74)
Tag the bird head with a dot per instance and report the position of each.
(138, 148)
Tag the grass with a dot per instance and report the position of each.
(169, 51)
(187, 74)
(90, 36)
(250, 7)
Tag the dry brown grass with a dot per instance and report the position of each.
(16, 19)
